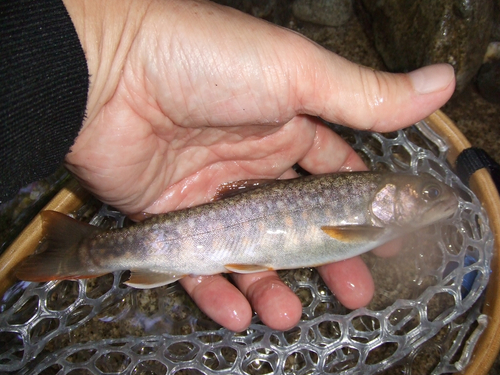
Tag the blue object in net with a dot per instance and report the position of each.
(469, 278)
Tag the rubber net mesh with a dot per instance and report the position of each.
(425, 316)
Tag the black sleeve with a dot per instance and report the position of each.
(43, 90)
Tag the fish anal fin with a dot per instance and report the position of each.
(353, 233)
(230, 189)
(246, 268)
(145, 279)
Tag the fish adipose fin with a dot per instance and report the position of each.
(353, 233)
(145, 279)
(230, 189)
(60, 261)
(246, 268)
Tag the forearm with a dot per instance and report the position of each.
(43, 91)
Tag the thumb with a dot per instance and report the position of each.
(356, 96)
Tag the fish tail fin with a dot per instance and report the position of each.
(60, 261)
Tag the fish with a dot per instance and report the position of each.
(250, 226)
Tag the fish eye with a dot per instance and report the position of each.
(431, 192)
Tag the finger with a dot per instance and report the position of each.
(277, 306)
(219, 300)
(350, 281)
(289, 173)
(329, 152)
(343, 92)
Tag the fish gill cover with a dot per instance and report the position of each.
(425, 316)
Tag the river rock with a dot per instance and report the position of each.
(488, 81)
(488, 77)
(276, 11)
(495, 33)
(413, 33)
(323, 12)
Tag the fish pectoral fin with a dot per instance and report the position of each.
(145, 279)
(230, 189)
(246, 268)
(353, 233)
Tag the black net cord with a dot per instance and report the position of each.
(471, 160)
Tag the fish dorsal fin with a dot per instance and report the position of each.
(145, 279)
(230, 189)
(246, 268)
(353, 233)
(140, 216)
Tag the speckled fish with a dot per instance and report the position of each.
(256, 225)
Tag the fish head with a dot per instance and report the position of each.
(412, 202)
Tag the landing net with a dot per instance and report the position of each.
(425, 317)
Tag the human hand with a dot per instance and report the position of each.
(186, 95)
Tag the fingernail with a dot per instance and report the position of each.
(432, 78)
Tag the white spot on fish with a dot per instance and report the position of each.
(278, 231)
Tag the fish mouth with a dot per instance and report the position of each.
(442, 210)
(448, 207)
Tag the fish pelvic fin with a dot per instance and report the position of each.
(353, 233)
(60, 261)
(145, 279)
